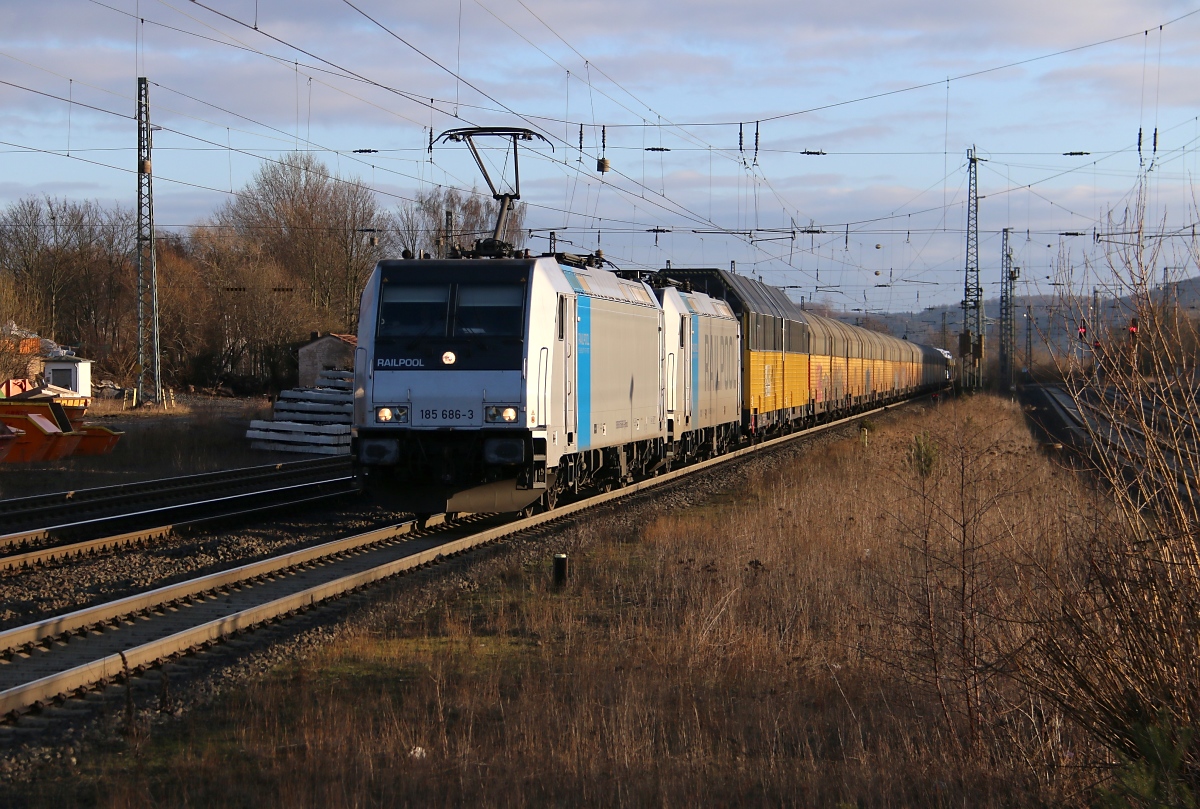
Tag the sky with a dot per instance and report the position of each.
(823, 149)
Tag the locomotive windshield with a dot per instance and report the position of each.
(451, 310)
(492, 310)
(413, 310)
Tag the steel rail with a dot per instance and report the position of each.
(77, 549)
(43, 637)
(1131, 445)
(1097, 428)
(47, 507)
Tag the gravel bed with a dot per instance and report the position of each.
(39, 592)
(54, 745)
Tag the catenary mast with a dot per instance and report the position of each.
(970, 346)
(149, 381)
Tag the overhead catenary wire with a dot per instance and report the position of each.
(665, 202)
(972, 73)
(753, 186)
(283, 137)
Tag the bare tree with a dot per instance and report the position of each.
(315, 227)
(255, 308)
(441, 220)
(69, 264)
(100, 311)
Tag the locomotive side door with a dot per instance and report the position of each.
(567, 323)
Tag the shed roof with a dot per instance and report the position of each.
(349, 339)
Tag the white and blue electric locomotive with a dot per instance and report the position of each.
(489, 384)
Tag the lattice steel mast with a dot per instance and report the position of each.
(970, 346)
(149, 381)
(1008, 317)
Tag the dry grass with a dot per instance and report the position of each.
(839, 632)
(102, 409)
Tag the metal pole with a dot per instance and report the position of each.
(1007, 349)
(1029, 341)
(971, 346)
(149, 365)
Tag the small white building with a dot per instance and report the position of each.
(71, 373)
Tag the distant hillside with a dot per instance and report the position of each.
(1056, 319)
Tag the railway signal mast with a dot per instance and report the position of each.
(149, 379)
(970, 344)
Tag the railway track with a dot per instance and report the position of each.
(1092, 428)
(70, 653)
(68, 524)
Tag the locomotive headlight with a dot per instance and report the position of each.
(500, 413)
(390, 415)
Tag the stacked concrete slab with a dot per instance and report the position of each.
(312, 420)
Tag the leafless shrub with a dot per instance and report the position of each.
(975, 507)
(1118, 645)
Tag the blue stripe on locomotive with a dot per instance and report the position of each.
(695, 369)
(583, 371)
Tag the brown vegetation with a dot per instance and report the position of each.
(864, 626)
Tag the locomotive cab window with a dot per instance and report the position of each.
(451, 310)
(491, 310)
(418, 310)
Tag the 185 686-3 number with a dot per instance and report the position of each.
(433, 414)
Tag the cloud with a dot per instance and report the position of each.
(694, 62)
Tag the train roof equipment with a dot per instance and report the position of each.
(495, 247)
